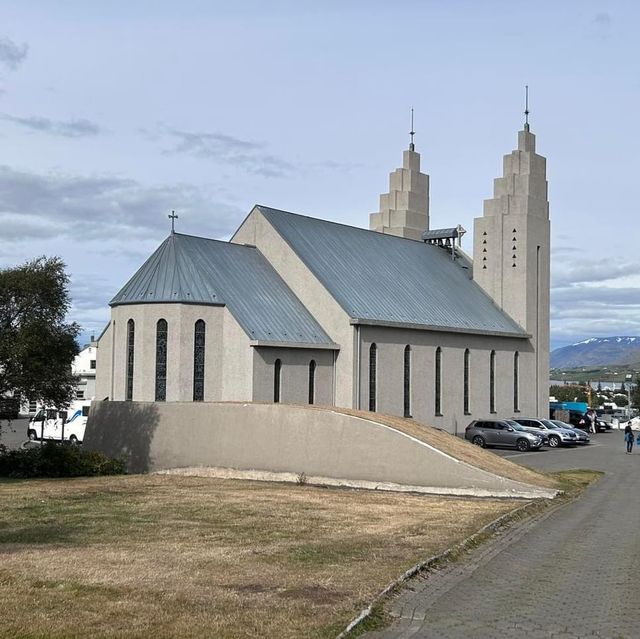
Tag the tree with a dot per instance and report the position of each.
(635, 393)
(37, 346)
(569, 393)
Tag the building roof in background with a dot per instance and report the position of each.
(385, 279)
(196, 270)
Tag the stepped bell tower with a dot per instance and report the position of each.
(404, 211)
(511, 254)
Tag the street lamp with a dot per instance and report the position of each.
(628, 379)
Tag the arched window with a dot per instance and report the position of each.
(199, 334)
(492, 382)
(277, 373)
(312, 381)
(407, 381)
(161, 360)
(516, 382)
(373, 372)
(438, 382)
(131, 335)
(465, 383)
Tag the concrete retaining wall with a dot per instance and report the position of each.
(281, 438)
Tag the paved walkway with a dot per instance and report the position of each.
(574, 572)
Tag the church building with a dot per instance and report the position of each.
(396, 319)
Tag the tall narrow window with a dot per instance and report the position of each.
(407, 381)
(161, 360)
(438, 382)
(465, 384)
(199, 334)
(492, 382)
(373, 372)
(277, 373)
(131, 335)
(312, 381)
(516, 382)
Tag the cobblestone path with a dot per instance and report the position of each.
(573, 572)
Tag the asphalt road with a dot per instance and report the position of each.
(572, 573)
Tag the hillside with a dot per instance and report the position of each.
(598, 351)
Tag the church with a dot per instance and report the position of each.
(396, 319)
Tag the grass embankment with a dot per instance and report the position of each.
(168, 556)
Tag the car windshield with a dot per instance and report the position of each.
(559, 424)
(513, 424)
(550, 424)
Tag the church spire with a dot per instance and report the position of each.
(526, 107)
(404, 210)
(412, 146)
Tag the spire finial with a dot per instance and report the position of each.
(412, 146)
(173, 217)
(526, 107)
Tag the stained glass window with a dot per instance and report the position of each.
(198, 361)
(373, 372)
(465, 399)
(407, 381)
(312, 381)
(131, 334)
(492, 382)
(277, 371)
(516, 382)
(438, 382)
(161, 360)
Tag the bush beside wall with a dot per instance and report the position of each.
(56, 460)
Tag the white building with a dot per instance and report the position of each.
(396, 319)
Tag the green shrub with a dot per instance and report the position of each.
(57, 460)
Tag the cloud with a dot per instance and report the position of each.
(601, 26)
(225, 149)
(12, 55)
(46, 206)
(77, 128)
(103, 227)
(593, 297)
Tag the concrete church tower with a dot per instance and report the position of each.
(511, 253)
(404, 211)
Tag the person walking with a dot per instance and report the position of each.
(628, 437)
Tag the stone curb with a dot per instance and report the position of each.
(465, 544)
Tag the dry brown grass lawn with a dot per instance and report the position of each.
(168, 556)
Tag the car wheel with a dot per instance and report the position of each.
(554, 441)
(31, 434)
(479, 441)
(523, 445)
(73, 440)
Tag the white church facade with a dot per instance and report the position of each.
(396, 319)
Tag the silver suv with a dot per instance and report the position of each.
(497, 432)
(556, 435)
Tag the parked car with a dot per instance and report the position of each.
(556, 435)
(575, 417)
(535, 431)
(582, 435)
(498, 432)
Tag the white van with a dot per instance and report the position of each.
(67, 425)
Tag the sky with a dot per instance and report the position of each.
(114, 114)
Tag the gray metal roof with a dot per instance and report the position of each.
(197, 270)
(381, 278)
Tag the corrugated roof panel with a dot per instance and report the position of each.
(198, 270)
(384, 278)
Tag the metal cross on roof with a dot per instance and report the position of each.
(173, 217)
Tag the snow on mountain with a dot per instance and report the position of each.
(598, 351)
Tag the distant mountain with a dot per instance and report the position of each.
(598, 351)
